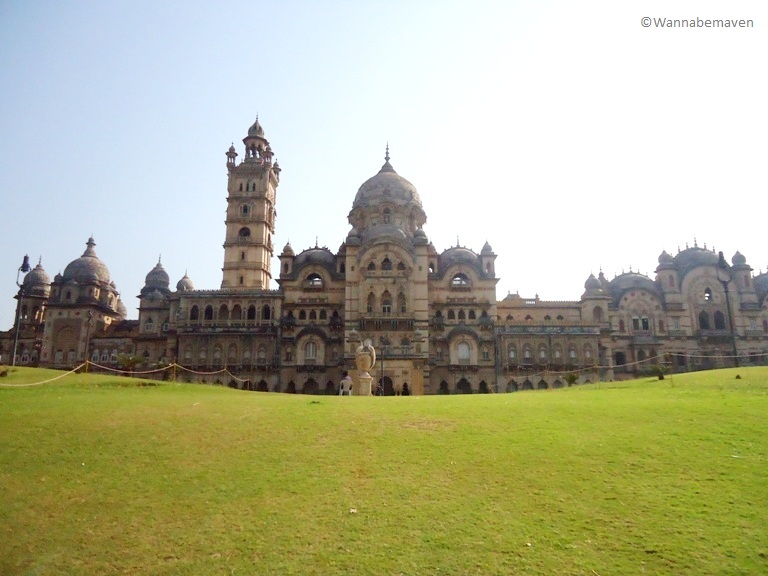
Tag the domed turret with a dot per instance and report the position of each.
(666, 260)
(288, 250)
(37, 282)
(185, 284)
(738, 259)
(88, 268)
(157, 280)
(487, 250)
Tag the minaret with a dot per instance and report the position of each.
(251, 213)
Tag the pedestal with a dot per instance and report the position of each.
(364, 384)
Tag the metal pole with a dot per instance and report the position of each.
(25, 267)
(730, 325)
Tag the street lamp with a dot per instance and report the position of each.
(25, 267)
(724, 274)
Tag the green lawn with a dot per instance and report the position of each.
(103, 475)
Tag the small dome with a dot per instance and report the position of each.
(185, 284)
(88, 268)
(121, 309)
(458, 255)
(666, 259)
(256, 129)
(37, 282)
(157, 277)
(316, 256)
(487, 250)
(288, 250)
(592, 283)
(738, 259)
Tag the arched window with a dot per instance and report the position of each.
(371, 303)
(719, 320)
(386, 215)
(451, 315)
(323, 315)
(386, 264)
(401, 304)
(302, 315)
(471, 315)
(460, 280)
(251, 312)
(400, 266)
(266, 312)
(194, 313)
(223, 312)
(244, 210)
(371, 265)
(312, 315)
(462, 351)
(707, 294)
(461, 315)
(512, 353)
(237, 312)
(244, 232)
(149, 325)
(386, 303)
(314, 281)
(208, 314)
(703, 320)
(310, 350)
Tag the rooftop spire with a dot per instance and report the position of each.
(386, 155)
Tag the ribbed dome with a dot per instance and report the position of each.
(185, 284)
(317, 256)
(37, 282)
(121, 309)
(738, 259)
(458, 255)
(256, 129)
(88, 268)
(386, 186)
(487, 250)
(157, 277)
(592, 283)
(665, 259)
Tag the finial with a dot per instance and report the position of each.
(457, 241)
(386, 155)
(316, 243)
(160, 259)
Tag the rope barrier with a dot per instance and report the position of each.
(653, 361)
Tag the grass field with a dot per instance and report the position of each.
(104, 475)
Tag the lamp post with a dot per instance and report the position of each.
(25, 267)
(724, 274)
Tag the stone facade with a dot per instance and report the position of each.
(433, 317)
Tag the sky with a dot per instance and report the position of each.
(568, 135)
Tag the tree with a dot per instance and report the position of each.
(128, 362)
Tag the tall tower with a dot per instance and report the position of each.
(250, 222)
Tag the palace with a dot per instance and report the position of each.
(433, 317)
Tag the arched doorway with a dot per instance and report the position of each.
(542, 385)
(463, 386)
(511, 386)
(386, 383)
(310, 387)
(484, 387)
(443, 387)
(262, 386)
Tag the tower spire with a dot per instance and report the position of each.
(386, 155)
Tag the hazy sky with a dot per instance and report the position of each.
(566, 134)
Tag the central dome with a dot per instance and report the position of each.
(386, 186)
(88, 268)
